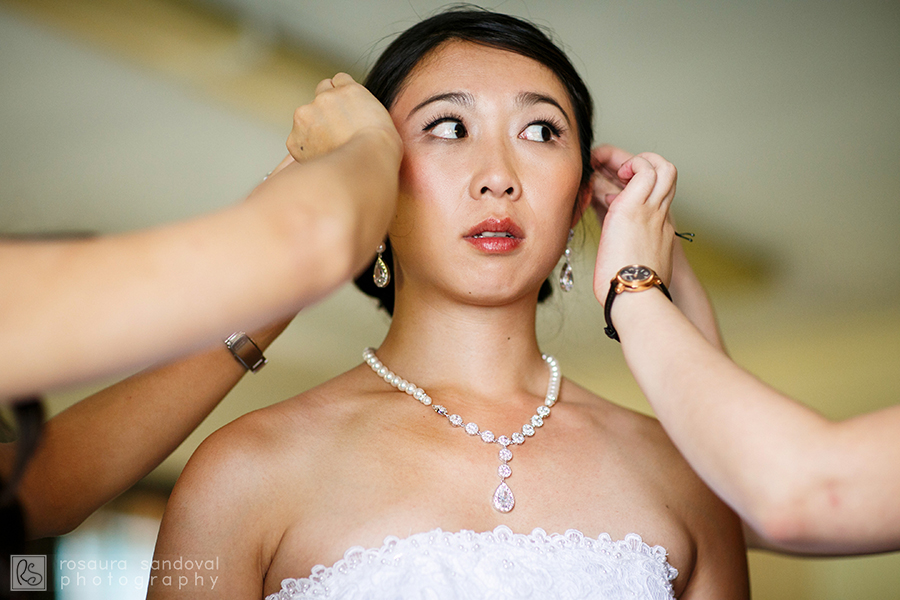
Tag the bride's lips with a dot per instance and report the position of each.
(495, 236)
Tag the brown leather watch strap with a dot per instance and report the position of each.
(615, 288)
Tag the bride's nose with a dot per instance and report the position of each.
(495, 174)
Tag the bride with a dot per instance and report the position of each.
(455, 461)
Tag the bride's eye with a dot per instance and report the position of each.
(539, 132)
(447, 128)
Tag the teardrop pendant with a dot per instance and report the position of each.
(381, 275)
(503, 500)
(566, 279)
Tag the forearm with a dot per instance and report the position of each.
(690, 297)
(690, 386)
(805, 484)
(87, 309)
(81, 310)
(358, 183)
(104, 444)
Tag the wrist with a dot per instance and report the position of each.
(386, 140)
(245, 351)
(264, 336)
(632, 309)
(628, 281)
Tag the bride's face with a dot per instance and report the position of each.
(490, 174)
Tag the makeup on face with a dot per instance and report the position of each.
(491, 159)
(495, 235)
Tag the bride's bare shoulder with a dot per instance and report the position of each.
(608, 411)
(642, 434)
(277, 449)
(642, 448)
(300, 422)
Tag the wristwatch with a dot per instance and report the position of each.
(634, 278)
(245, 351)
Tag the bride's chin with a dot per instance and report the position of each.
(489, 287)
(492, 294)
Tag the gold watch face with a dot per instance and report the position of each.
(635, 274)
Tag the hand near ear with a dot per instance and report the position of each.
(341, 109)
(632, 196)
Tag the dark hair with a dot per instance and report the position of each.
(496, 30)
(29, 417)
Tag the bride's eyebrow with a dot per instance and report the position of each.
(526, 99)
(461, 98)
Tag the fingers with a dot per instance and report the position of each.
(615, 168)
(650, 179)
(608, 158)
(325, 123)
(666, 180)
(640, 176)
(324, 85)
(603, 192)
(665, 170)
(606, 161)
(339, 80)
(341, 109)
(342, 79)
(632, 195)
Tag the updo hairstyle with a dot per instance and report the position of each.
(479, 26)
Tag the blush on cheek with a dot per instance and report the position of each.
(428, 180)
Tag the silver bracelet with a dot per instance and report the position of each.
(245, 351)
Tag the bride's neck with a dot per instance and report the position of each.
(492, 350)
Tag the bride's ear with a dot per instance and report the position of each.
(581, 203)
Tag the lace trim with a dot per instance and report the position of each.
(538, 541)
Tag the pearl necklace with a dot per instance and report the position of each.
(503, 499)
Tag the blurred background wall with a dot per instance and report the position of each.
(782, 117)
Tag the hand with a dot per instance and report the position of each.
(341, 109)
(632, 196)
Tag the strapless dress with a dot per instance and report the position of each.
(498, 565)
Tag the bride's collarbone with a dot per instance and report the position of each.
(424, 466)
(388, 456)
(394, 438)
(409, 471)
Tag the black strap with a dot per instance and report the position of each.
(609, 330)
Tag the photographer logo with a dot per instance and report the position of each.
(28, 572)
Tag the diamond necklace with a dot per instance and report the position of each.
(503, 499)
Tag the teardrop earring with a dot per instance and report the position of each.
(566, 279)
(381, 275)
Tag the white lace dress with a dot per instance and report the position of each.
(497, 564)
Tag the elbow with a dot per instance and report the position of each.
(46, 509)
(799, 516)
(779, 525)
(49, 506)
(50, 517)
(805, 494)
(54, 529)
